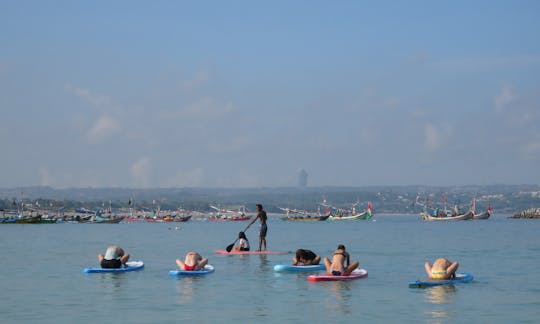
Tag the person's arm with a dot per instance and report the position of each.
(254, 219)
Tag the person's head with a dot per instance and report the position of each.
(341, 247)
(259, 207)
(299, 254)
(242, 235)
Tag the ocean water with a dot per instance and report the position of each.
(42, 280)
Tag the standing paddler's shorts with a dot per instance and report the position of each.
(263, 231)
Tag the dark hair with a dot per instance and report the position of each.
(242, 235)
(259, 205)
(299, 254)
(341, 247)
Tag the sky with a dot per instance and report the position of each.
(148, 94)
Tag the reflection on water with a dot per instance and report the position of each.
(263, 266)
(185, 288)
(439, 295)
(339, 296)
(111, 281)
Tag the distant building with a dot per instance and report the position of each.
(302, 178)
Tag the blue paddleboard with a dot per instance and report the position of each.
(460, 278)
(293, 268)
(130, 266)
(206, 270)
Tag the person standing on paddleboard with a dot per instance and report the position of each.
(261, 215)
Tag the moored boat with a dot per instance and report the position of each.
(302, 215)
(306, 218)
(352, 214)
(22, 220)
(444, 214)
(224, 214)
(483, 215)
(177, 218)
(466, 216)
(100, 220)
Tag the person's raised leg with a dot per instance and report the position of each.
(124, 258)
(202, 263)
(351, 268)
(328, 265)
(180, 264)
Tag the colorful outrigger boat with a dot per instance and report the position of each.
(466, 216)
(352, 214)
(302, 215)
(483, 215)
(444, 214)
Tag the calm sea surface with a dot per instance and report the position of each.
(42, 280)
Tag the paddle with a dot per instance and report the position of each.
(230, 246)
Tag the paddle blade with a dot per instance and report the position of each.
(229, 247)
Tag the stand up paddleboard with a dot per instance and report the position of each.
(130, 266)
(204, 271)
(460, 278)
(293, 268)
(356, 274)
(251, 252)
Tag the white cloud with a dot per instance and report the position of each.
(432, 138)
(93, 98)
(504, 99)
(204, 108)
(208, 107)
(487, 63)
(239, 181)
(46, 178)
(532, 149)
(141, 171)
(102, 129)
(236, 144)
(189, 178)
(201, 78)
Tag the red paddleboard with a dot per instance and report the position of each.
(356, 274)
(251, 252)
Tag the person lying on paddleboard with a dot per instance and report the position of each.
(305, 257)
(337, 266)
(442, 269)
(243, 243)
(193, 261)
(114, 258)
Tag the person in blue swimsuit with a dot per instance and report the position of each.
(261, 215)
(114, 258)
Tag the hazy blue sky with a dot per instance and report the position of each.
(247, 93)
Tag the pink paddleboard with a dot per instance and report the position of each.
(356, 274)
(250, 252)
